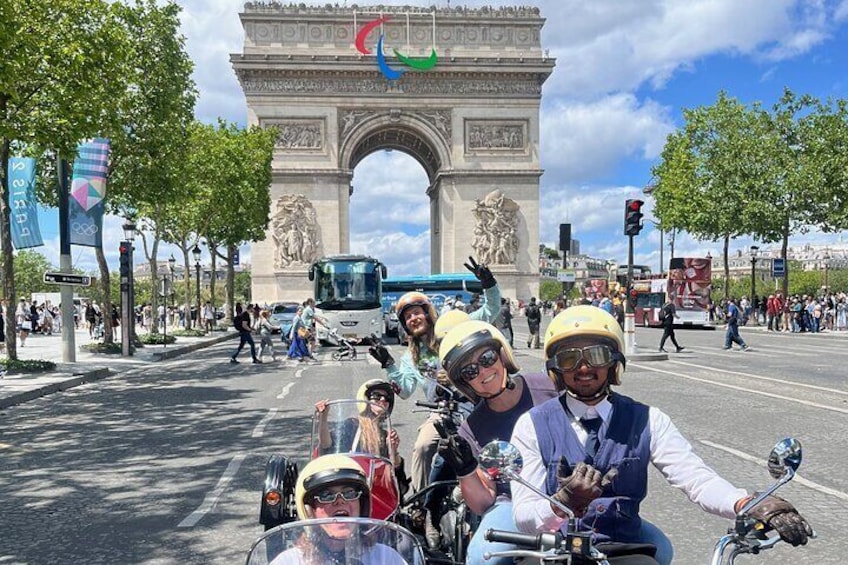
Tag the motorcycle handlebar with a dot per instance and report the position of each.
(428, 405)
(530, 541)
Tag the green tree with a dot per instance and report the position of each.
(232, 171)
(29, 268)
(550, 289)
(150, 144)
(705, 174)
(241, 287)
(60, 77)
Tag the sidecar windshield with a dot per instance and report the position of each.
(354, 541)
(351, 427)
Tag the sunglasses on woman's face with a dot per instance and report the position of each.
(486, 359)
(594, 356)
(378, 396)
(328, 497)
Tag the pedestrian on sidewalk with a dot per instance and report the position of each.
(534, 320)
(504, 322)
(265, 328)
(667, 315)
(299, 336)
(242, 324)
(208, 317)
(732, 334)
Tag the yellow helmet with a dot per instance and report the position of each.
(462, 341)
(449, 320)
(584, 321)
(375, 384)
(415, 298)
(326, 471)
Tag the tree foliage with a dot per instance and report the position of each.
(30, 266)
(61, 75)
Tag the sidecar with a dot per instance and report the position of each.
(351, 427)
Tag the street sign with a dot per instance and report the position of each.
(778, 268)
(566, 276)
(67, 278)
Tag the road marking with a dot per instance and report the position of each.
(763, 463)
(211, 499)
(752, 391)
(770, 379)
(285, 392)
(259, 430)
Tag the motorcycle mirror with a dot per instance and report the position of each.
(786, 455)
(500, 460)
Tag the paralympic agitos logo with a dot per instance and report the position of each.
(417, 63)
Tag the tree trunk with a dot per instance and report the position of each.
(7, 268)
(188, 279)
(106, 306)
(213, 260)
(783, 252)
(671, 240)
(154, 281)
(726, 267)
(231, 283)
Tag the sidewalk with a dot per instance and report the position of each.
(18, 388)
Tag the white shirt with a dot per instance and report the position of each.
(670, 453)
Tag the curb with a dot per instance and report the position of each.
(77, 380)
(655, 356)
(177, 351)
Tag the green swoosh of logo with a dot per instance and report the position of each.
(418, 63)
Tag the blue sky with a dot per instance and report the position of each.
(625, 70)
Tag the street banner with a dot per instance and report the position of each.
(88, 189)
(23, 211)
(690, 282)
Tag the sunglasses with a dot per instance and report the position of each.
(594, 356)
(328, 497)
(377, 396)
(488, 358)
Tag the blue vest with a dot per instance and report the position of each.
(626, 446)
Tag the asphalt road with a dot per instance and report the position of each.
(164, 464)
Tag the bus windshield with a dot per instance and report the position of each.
(347, 284)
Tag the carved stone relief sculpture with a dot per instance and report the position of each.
(496, 230)
(489, 136)
(298, 134)
(295, 231)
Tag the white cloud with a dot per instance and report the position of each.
(403, 254)
(581, 141)
(389, 188)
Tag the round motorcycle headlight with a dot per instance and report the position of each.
(272, 498)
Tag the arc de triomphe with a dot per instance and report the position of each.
(466, 108)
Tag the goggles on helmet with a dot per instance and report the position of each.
(569, 358)
(485, 360)
(329, 497)
(378, 395)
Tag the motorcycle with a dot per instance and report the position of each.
(345, 349)
(455, 521)
(502, 462)
(341, 428)
(339, 540)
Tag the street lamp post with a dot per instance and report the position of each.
(826, 261)
(196, 252)
(127, 291)
(754, 251)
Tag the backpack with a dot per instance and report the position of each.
(532, 313)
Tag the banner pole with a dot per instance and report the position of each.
(65, 264)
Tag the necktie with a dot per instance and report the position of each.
(592, 426)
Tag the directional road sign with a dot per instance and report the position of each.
(778, 268)
(67, 278)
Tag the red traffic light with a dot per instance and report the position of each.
(633, 293)
(124, 248)
(634, 204)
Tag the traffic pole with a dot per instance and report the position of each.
(629, 316)
(66, 264)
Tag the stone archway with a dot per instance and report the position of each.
(471, 121)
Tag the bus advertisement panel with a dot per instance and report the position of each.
(596, 288)
(689, 286)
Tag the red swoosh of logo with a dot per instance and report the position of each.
(363, 33)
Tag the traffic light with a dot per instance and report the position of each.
(632, 295)
(633, 217)
(125, 249)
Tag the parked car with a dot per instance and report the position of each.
(282, 313)
(392, 325)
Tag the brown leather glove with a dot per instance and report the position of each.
(779, 515)
(578, 489)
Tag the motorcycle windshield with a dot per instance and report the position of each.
(352, 427)
(349, 541)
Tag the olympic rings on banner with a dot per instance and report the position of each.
(84, 229)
